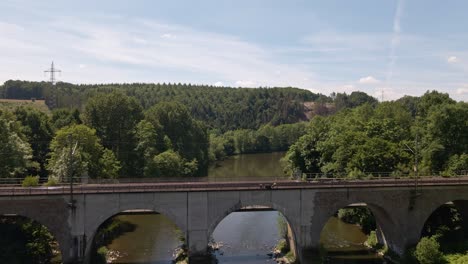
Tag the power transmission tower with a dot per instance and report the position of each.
(53, 90)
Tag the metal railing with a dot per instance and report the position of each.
(264, 183)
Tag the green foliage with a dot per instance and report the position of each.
(109, 165)
(305, 154)
(375, 138)
(456, 165)
(267, 139)
(114, 117)
(282, 225)
(51, 182)
(63, 117)
(89, 155)
(290, 257)
(354, 142)
(15, 151)
(282, 246)
(457, 258)
(444, 134)
(37, 129)
(24, 89)
(358, 215)
(218, 107)
(372, 240)
(355, 99)
(170, 133)
(24, 241)
(427, 251)
(101, 255)
(108, 231)
(30, 181)
(170, 164)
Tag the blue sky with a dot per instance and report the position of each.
(395, 46)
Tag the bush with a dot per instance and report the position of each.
(101, 255)
(372, 240)
(427, 251)
(31, 181)
(51, 182)
(457, 258)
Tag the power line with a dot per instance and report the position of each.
(52, 72)
(53, 91)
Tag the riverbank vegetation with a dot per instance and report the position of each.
(283, 251)
(108, 231)
(25, 241)
(427, 134)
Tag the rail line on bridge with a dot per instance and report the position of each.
(232, 186)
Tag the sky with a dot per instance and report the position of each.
(386, 48)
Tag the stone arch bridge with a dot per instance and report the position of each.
(400, 206)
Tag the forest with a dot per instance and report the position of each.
(150, 130)
(154, 130)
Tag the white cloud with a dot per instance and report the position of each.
(82, 66)
(452, 59)
(368, 80)
(395, 41)
(128, 52)
(246, 84)
(218, 84)
(167, 36)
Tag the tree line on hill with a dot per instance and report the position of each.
(219, 108)
(428, 134)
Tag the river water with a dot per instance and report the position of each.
(246, 237)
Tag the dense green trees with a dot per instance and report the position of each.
(65, 117)
(37, 129)
(114, 117)
(77, 150)
(427, 251)
(169, 135)
(15, 151)
(388, 137)
(220, 108)
(266, 139)
(25, 241)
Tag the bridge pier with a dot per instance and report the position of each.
(197, 227)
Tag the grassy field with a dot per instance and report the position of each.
(12, 104)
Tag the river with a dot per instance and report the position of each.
(246, 237)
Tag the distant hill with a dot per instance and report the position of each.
(222, 108)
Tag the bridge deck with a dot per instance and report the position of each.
(226, 186)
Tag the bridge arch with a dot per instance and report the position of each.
(460, 204)
(377, 214)
(53, 214)
(145, 210)
(99, 213)
(385, 222)
(235, 207)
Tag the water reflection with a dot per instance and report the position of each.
(261, 165)
(344, 243)
(247, 237)
(153, 240)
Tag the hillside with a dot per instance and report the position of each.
(221, 108)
